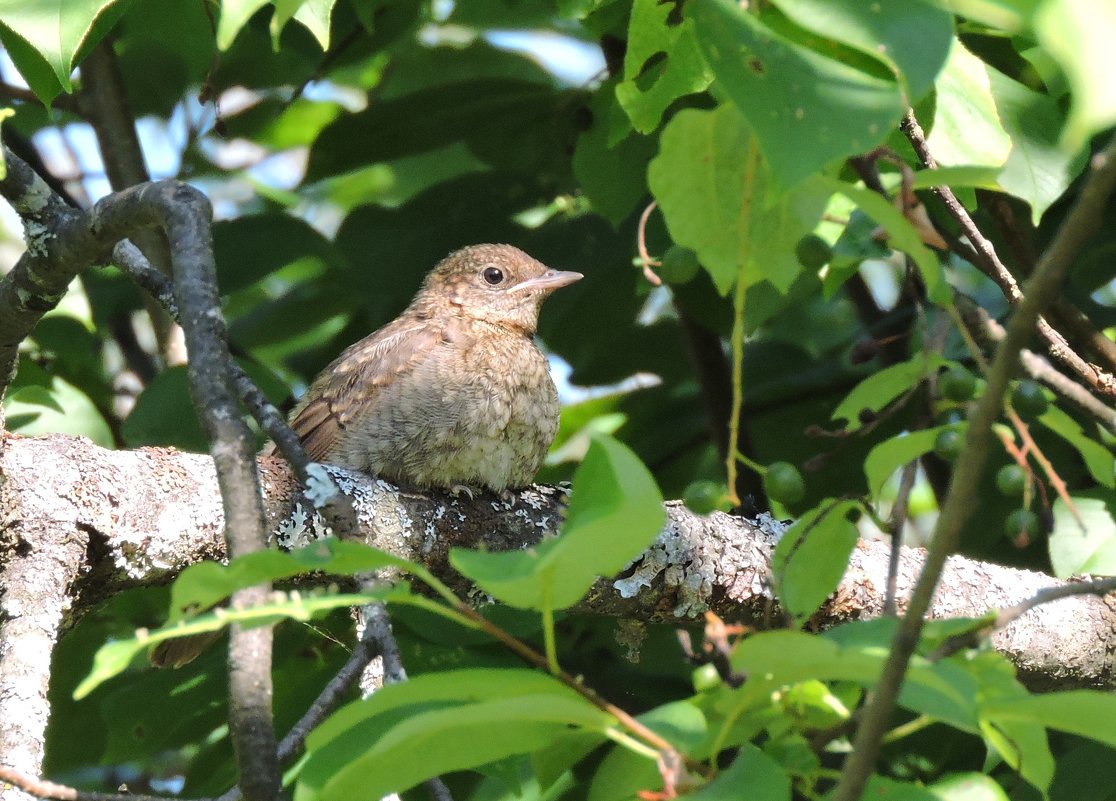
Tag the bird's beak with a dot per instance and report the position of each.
(548, 281)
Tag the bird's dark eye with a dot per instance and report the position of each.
(493, 275)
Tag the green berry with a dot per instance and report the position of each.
(703, 497)
(813, 252)
(1029, 400)
(1011, 480)
(705, 678)
(1022, 524)
(948, 444)
(679, 265)
(784, 484)
(957, 384)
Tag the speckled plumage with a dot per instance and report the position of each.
(452, 393)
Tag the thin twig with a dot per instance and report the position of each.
(533, 657)
(328, 699)
(1030, 447)
(1079, 224)
(40, 788)
(1010, 614)
(1065, 313)
(988, 261)
(895, 525)
(983, 325)
(129, 259)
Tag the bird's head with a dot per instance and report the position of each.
(497, 283)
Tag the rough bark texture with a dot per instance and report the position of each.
(141, 516)
(79, 523)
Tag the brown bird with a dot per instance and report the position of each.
(452, 394)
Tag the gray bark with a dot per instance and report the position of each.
(79, 523)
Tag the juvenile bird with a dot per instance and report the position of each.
(453, 393)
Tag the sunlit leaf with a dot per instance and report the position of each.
(884, 386)
(811, 557)
(1088, 545)
(53, 31)
(616, 510)
(662, 62)
(891, 454)
(717, 196)
(1079, 33)
(434, 724)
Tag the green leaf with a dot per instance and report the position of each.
(37, 395)
(437, 723)
(1086, 713)
(881, 788)
(313, 14)
(476, 111)
(254, 246)
(681, 70)
(968, 787)
(967, 129)
(882, 387)
(775, 658)
(1038, 170)
(891, 454)
(902, 236)
(718, 200)
(234, 16)
(811, 557)
(67, 410)
(113, 658)
(55, 31)
(164, 415)
(5, 113)
(807, 109)
(201, 586)
(912, 39)
(752, 768)
(616, 510)
(1088, 546)
(1021, 743)
(982, 177)
(624, 772)
(1079, 34)
(612, 175)
(1098, 459)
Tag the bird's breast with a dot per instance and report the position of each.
(478, 411)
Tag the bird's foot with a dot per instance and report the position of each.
(509, 497)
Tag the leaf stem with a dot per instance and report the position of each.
(738, 328)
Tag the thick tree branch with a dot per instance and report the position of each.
(184, 214)
(40, 277)
(147, 514)
(73, 241)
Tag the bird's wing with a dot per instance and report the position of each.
(346, 388)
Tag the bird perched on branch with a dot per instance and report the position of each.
(453, 394)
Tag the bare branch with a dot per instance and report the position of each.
(988, 261)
